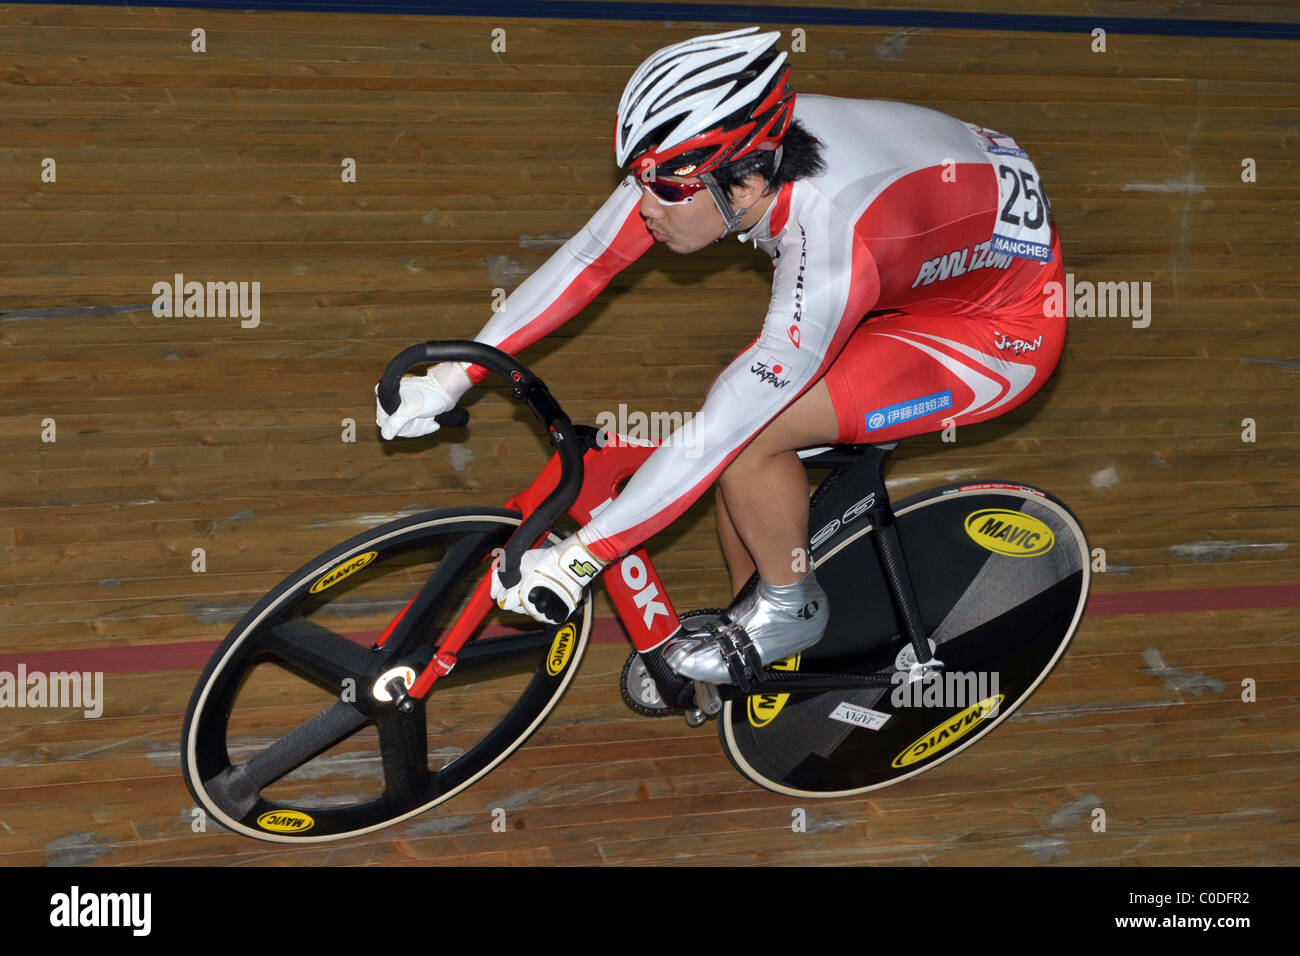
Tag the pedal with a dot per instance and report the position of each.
(707, 698)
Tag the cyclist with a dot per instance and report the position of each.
(911, 251)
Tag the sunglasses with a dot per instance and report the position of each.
(672, 194)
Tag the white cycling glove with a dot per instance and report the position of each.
(551, 581)
(423, 397)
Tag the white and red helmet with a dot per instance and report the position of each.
(706, 101)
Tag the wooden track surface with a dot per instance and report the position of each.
(183, 433)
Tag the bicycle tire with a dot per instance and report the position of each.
(280, 625)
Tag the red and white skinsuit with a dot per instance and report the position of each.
(902, 225)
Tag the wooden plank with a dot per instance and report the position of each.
(176, 433)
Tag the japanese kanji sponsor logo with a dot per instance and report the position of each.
(906, 411)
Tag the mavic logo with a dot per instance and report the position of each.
(348, 567)
(285, 821)
(637, 578)
(949, 732)
(1011, 533)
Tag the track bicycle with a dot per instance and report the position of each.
(385, 662)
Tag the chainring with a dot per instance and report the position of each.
(640, 692)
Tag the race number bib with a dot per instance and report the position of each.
(1024, 221)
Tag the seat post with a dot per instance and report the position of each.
(892, 561)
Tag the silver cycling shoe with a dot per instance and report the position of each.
(779, 620)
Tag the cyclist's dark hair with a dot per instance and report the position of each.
(801, 158)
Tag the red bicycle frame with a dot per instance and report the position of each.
(633, 585)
